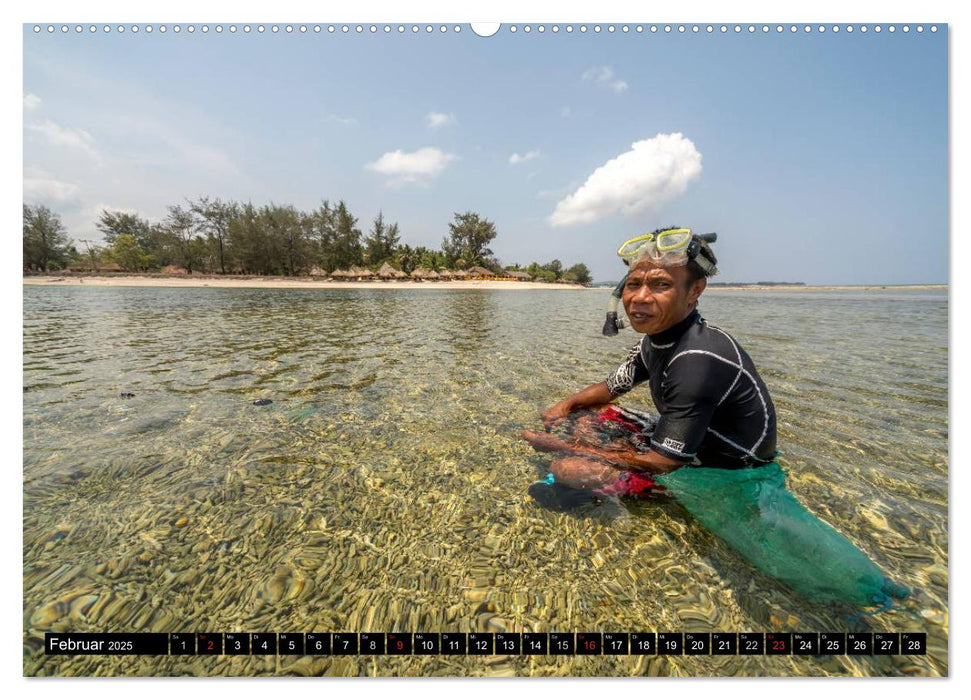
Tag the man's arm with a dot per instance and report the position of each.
(630, 373)
(593, 395)
(651, 462)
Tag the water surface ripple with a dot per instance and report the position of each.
(384, 487)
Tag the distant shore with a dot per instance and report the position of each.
(815, 288)
(827, 288)
(244, 282)
(219, 282)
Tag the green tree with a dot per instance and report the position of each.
(431, 259)
(126, 252)
(579, 273)
(381, 242)
(322, 235)
(556, 267)
(201, 255)
(468, 240)
(119, 223)
(284, 234)
(159, 246)
(216, 216)
(245, 240)
(540, 273)
(93, 256)
(181, 225)
(347, 249)
(46, 245)
(374, 249)
(406, 258)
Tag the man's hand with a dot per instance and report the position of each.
(556, 413)
(593, 396)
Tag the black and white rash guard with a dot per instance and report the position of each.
(714, 408)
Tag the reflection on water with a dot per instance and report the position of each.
(384, 487)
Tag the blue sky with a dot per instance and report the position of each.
(817, 157)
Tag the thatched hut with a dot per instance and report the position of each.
(339, 274)
(480, 273)
(388, 273)
(173, 270)
(421, 273)
(459, 274)
(360, 273)
(518, 275)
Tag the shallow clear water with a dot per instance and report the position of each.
(384, 487)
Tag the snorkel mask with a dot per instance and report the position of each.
(672, 247)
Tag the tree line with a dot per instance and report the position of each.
(213, 236)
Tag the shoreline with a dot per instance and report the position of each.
(215, 282)
(818, 287)
(828, 287)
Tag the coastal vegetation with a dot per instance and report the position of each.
(217, 237)
(46, 245)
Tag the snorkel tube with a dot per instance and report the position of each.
(698, 256)
(612, 324)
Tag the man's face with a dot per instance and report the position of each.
(656, 298)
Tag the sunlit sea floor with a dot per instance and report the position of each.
(384, 489)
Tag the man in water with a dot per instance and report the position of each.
(714, 410)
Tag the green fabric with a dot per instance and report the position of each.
(753, 512)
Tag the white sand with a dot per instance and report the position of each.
(277, 283)
(306, 283)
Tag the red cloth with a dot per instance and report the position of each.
(633, 484)
(612, 413)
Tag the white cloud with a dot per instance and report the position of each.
(65, 136)
(417, 166)
(346, 121)
(31, 102)
(515, 158)
(435, 120)
(39, 186)
(651, 173)
(604, 76)
(565, 112)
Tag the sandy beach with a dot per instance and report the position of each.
(277, 283)
(308, 283)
